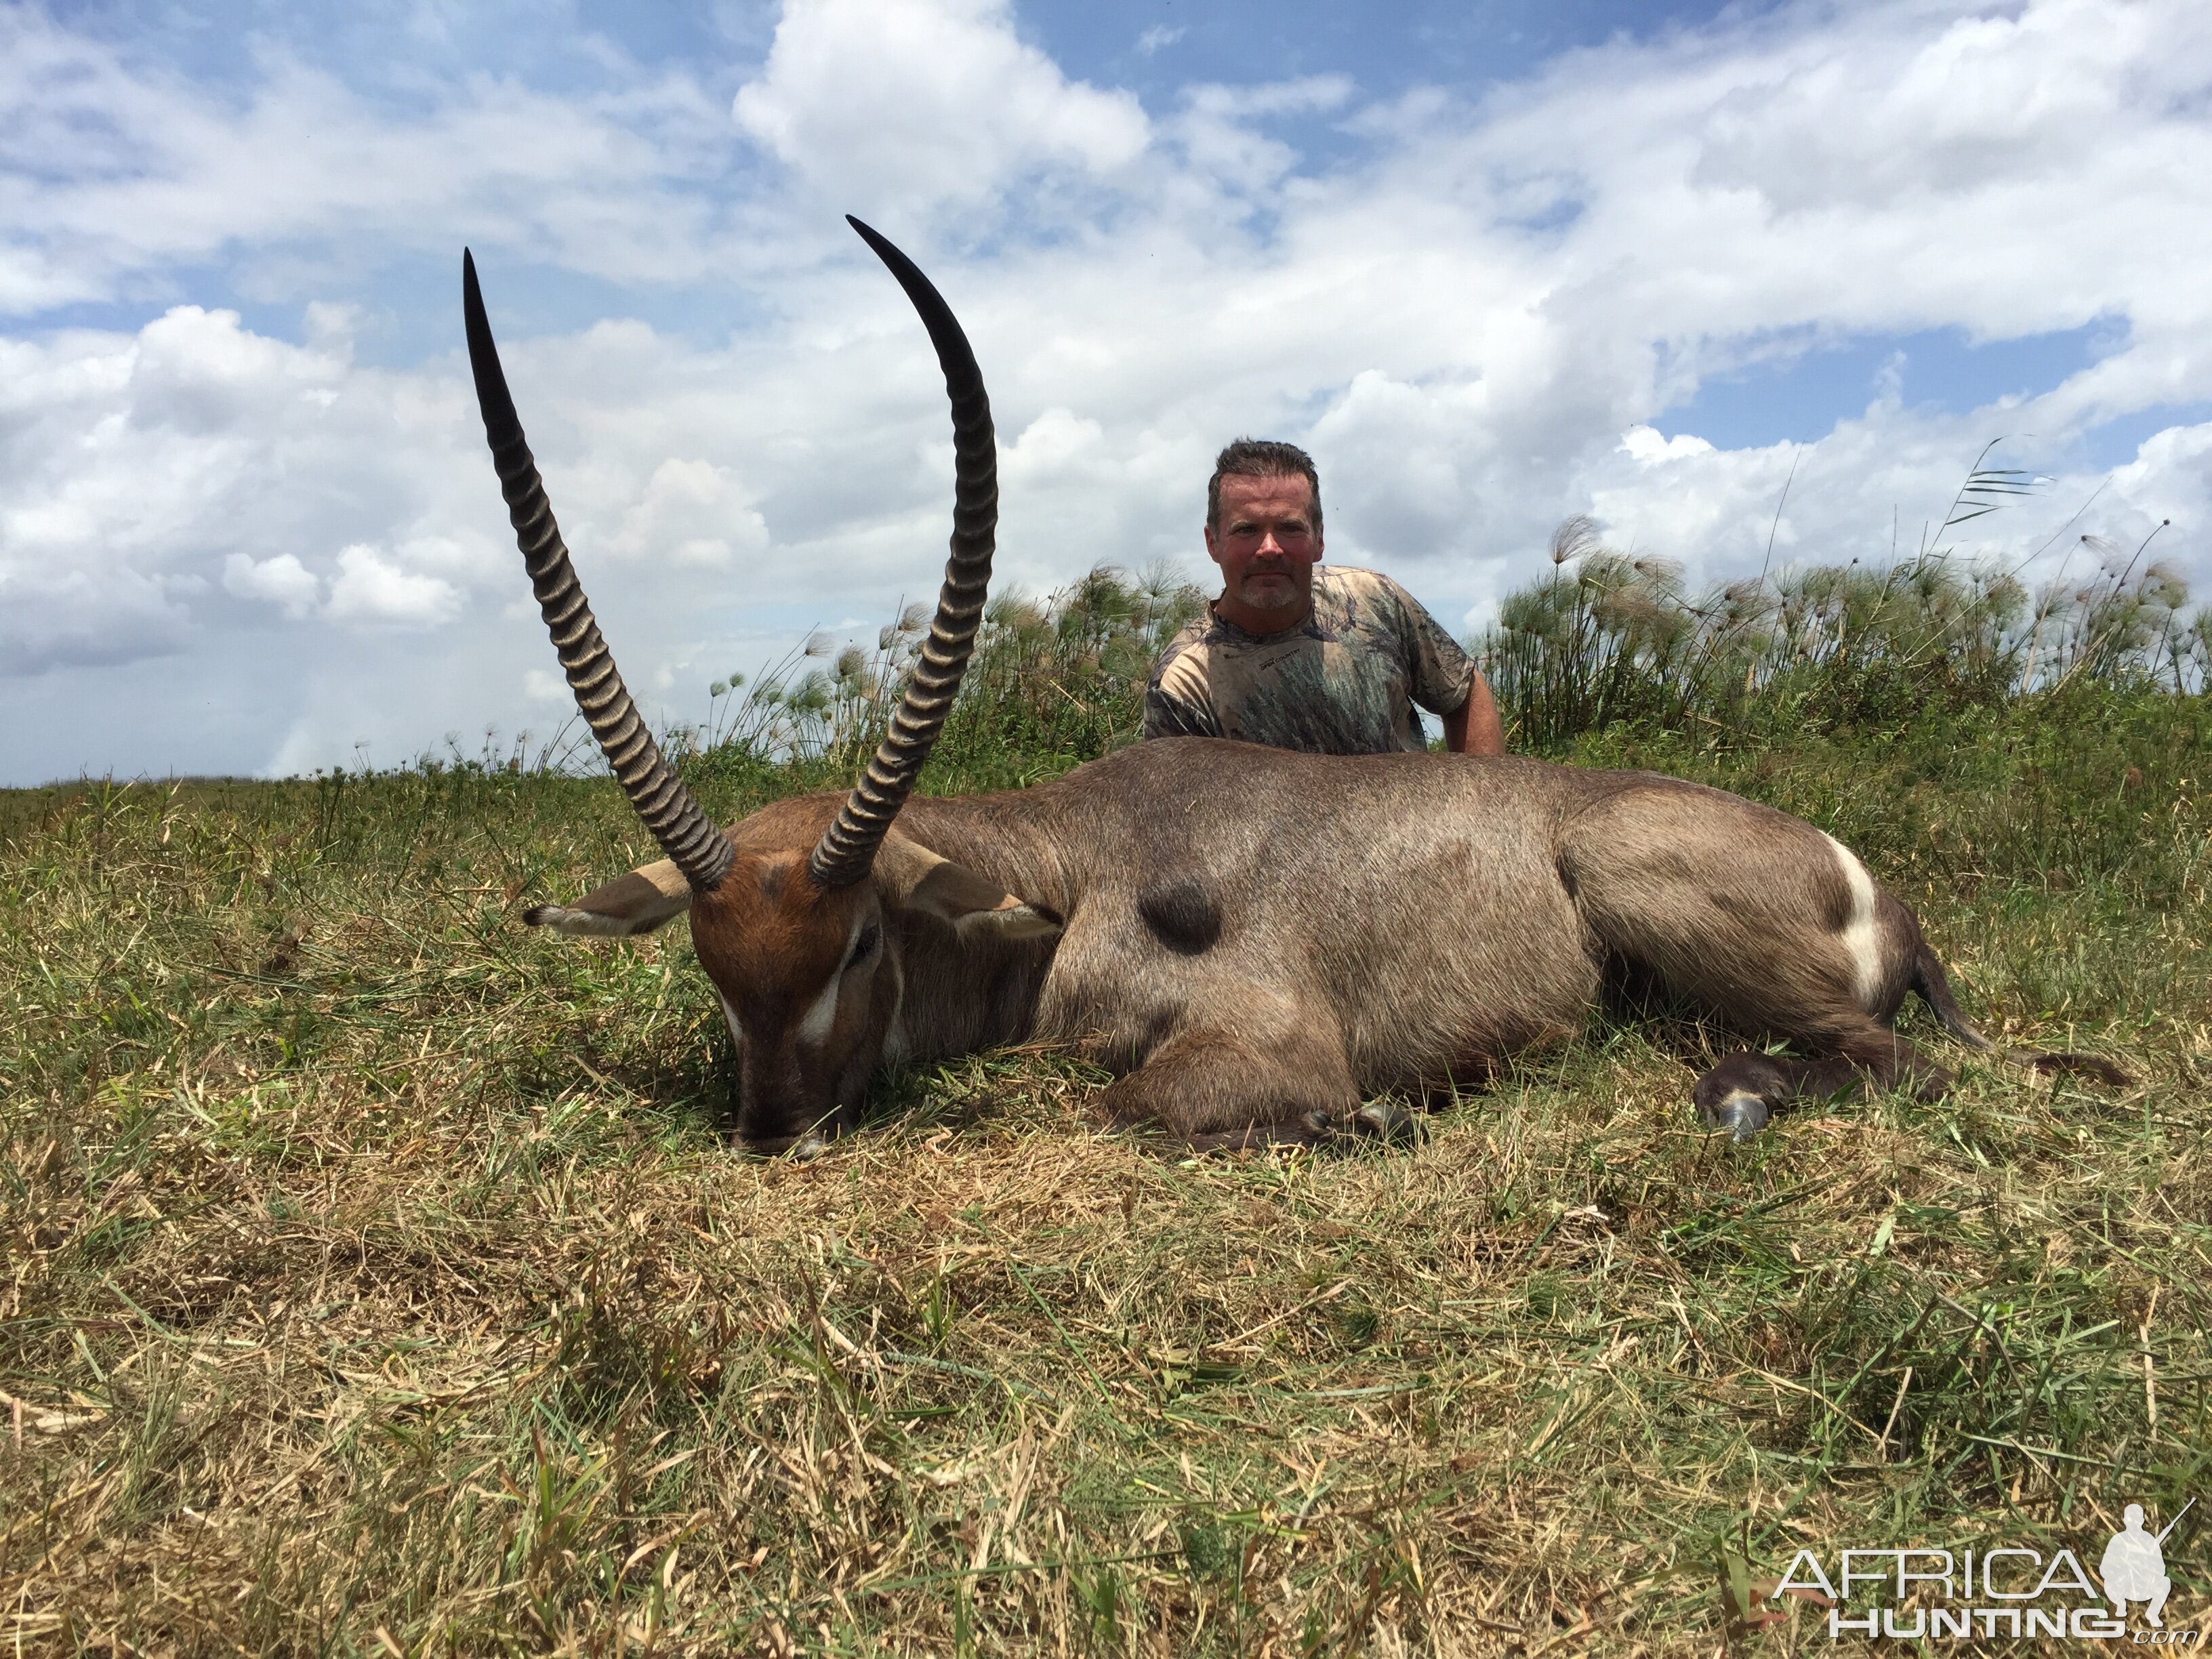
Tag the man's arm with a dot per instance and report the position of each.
(1474, 728)
(1437, 668)
(1167, 715)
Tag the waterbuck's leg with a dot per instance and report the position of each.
(1738, 1094)
(1764, 921)
(1214, 1089)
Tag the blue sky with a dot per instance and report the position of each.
(1494, 264)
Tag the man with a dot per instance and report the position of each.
(1296, 655)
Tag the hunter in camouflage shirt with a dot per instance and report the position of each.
(1296, 654)
(1344, 683)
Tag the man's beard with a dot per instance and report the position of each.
(1272, 590)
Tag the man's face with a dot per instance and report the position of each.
(1267, 547)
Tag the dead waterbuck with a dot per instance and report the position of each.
(1254, 940)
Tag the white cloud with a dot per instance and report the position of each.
(910, 103)
(370, 588)
(1650, 448)
(283, 580)
(131, 461)
(695, 513)
(1159, 35)
(1223, 147)
(1051, 445)
(110, 173)
(542, 686)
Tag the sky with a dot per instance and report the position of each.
(1727, 279)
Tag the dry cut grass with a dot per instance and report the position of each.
(377, 1282)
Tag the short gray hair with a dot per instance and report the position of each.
(1260, 458)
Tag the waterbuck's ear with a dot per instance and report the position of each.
(636, 904)
(912, 878)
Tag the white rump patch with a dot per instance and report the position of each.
(1861, 938)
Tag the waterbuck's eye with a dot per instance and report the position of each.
(864, 946)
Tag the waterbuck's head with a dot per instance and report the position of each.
(800, 912)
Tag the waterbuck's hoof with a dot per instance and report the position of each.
(1738, 1112)
(807, 1148)
(1319, 1123)
(1387, 1119)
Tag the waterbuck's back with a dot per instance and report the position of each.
(1408, 906)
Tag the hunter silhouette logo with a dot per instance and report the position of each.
(1985, 1591)
(2134, 1567)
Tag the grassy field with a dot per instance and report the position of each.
(378, 1281)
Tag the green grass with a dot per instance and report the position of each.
(377, 1279)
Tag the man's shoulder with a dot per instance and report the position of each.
(1189, 637)
(1179, 699)
(1349, 594)
(1180, 668)
(1350, 588)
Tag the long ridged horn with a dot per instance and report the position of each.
(848, 848)
(686, 833)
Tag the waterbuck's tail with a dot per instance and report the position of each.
(1934, 985)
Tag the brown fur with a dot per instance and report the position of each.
(1253, 939)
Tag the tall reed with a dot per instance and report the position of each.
(1608, 638)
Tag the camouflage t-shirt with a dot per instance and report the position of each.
(1345, 682)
